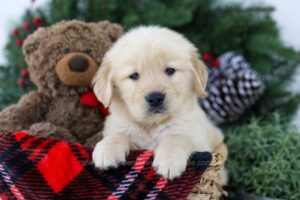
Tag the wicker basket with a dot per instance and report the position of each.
(210, 185)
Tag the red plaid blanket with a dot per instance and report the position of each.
(42, 168)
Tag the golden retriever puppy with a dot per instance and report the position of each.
(151, 79)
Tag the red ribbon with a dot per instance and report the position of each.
(89, 99)
(210, 59)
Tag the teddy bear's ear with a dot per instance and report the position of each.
(114, 31)
(32, 41)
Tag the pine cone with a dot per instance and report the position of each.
(232, 88)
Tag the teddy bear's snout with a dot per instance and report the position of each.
(78, 63)
(76, 69)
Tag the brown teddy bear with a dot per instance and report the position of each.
(62, 61)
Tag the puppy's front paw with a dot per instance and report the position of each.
(106, 154)
(170, 164)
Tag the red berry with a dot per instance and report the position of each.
(24, 73)
(37, 21)
(207, 57)
(22, 82)
(215, 63)
(26, 26)
(15, 32)
(19, 42)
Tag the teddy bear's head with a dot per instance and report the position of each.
(64, 57)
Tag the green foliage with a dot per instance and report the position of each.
(10, 90)
(264, 158)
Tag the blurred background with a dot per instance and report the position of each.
(251, 49)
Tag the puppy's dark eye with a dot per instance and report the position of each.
(87, 50)
(66, 51)
(170, 71)
(134, 76)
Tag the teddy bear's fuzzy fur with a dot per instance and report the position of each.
(54, 108)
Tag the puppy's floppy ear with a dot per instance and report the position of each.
(102, 83)
(200, 76)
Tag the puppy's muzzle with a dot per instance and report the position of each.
(155, 102)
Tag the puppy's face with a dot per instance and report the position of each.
(153, 72)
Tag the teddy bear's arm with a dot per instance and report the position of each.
(47, 129)
(93, 140)
(30, 109)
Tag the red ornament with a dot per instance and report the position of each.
(215, 63)
(37, 21)
(19, 42)
(15, 32)
(22, 82)
(207, 57)
(26, 26)
(24, 73)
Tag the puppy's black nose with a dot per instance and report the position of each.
(155, 99)
(78, 63)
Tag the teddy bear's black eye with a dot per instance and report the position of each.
(87, 50)
(170, 71)
(66, 51)
(134, 76)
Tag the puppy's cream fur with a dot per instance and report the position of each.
(174, 134)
